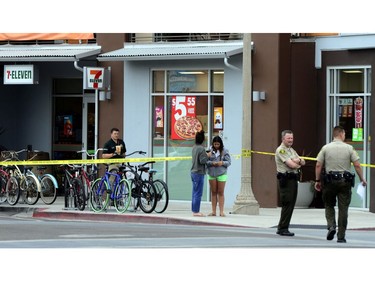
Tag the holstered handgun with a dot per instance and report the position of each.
(349, 177)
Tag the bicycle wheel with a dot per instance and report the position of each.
(86, 187)
(48, 189)
(134, 194)
(122, 196)
(30, 188)
(162, 198)
(147, 200)
(3, 187)
(79, 194)
(13, 190)
(100, 194)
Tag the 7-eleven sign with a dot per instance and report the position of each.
(94, 78)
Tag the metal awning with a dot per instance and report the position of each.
(173, 51)
(47, 53)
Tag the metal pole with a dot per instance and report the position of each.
(245, 202)
(96, 120)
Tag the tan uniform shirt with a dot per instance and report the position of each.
(337, 156)
(282, 154)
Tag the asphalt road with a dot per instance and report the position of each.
(20, 231)
(81, 249)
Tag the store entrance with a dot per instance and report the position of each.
(348, 106)
(74, 124)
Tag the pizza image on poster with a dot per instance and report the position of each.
(187, 126)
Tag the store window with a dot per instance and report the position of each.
(217, 81)
(187, 81)
(158, 81)
(192, 100)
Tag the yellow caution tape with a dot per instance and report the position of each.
(245, 153)
(89, 161)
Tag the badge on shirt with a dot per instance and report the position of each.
(282, 151)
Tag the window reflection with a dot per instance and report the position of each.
(187, 81)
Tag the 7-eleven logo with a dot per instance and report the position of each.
(95, 78)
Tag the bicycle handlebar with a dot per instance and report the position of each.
(92, 155)
(138, 151)
(146, 163)
(10, 155)
(140, 165)
(74, 166)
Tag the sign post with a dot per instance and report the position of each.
(96, 78)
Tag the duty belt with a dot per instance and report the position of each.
(287, 175)
(334, 176)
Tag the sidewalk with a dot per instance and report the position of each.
(180, 213)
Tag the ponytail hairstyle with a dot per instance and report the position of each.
(199, 137)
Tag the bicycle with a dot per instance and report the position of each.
(161, 189)
(142, 190)
(24, 182)
(74, 191)
(88, 173)
(105, 189)
(48, 183)
(4, 176)
(48, 186)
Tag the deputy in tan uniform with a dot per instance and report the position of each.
(288, 163)
(336, 158)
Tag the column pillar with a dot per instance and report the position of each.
(245, 202)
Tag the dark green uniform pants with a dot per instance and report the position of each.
(343, 192)
(288, 195)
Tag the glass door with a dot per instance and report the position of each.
(348, 103)
(67, 112)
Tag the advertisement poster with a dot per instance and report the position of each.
(218, 118)
(358, 105)
(182, 117)
(357, 134)
(159, 123)
(346, 107)
(68, 125)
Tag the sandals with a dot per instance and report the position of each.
(198, 215)
(211, 215)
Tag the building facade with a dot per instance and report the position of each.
(311, 83)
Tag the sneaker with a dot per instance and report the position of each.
(285, 233)
(331, 233)
(342, 240)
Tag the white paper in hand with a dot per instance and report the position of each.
(361, 190)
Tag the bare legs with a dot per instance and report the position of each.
(217, 196)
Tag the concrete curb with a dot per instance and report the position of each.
(41, 213)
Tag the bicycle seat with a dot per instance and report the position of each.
(152, 171)
(143, 169)
(122, 168)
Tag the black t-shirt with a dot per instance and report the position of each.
(111, 148)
